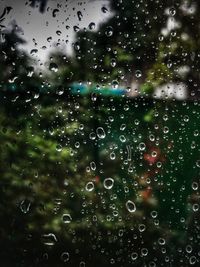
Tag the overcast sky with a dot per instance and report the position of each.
(42, 26)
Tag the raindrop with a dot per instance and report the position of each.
(93, 165)
(53, 67)
(195, 185)
(66, 218)
(130, 206)
(122, 138)
(115, 84)
(100, 133)
(65, 256)
(58, 33)
(34, 51)
(55, 11)
(134, 256)
(76, 28)
(108, 183)
(192, 260)
(49, 239)
(138, 73)
(195, 207)
(109, 31)
(112, 155)
(142, 146)
(80, 15)
(113, 62)
(59, 148)
(89, 186)
(172, 11)
(92, 26)
(104, 9)
(25, 206)
(123, 127)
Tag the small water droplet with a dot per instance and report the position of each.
(138, 74)
(65, 256)
(25, 206)
(104, 9)
(53, 67)
(92, 26)
(109, 31)
(54, 13)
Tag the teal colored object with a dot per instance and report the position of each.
(105, 91)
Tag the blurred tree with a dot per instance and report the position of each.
(147, 42)
(16, 67)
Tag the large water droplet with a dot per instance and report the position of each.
(100, 133)
(65, 256)
(130, 205)
(108, 183)
(89, 186)
(66, 218)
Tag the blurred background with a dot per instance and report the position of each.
(99, 133)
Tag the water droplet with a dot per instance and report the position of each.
(53, 67)
(34, 51)
(66, 218)
(76, 28)
(115, 84)
(104, 9)
(25, 206)
(142, 228)
(122, 138)
(108, 183)
(92, 136)
(112, 155)
(172, 11)
(49, 239)
(130, 206)
(100, 133)
(195, 186)
(142, 146)
(80, 15)
(65, 256)
(195, 207)
(59, 148)
(192, 260)
(161, 241)
(58, 33)
(92, 26)
(134, 256)
(89, 186)
(109, 31)
(93, 165)
(55, 11)
(113, 62)
(49, 39)
(138, 73)
(123, 127)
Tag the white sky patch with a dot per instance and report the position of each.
(60, 29)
